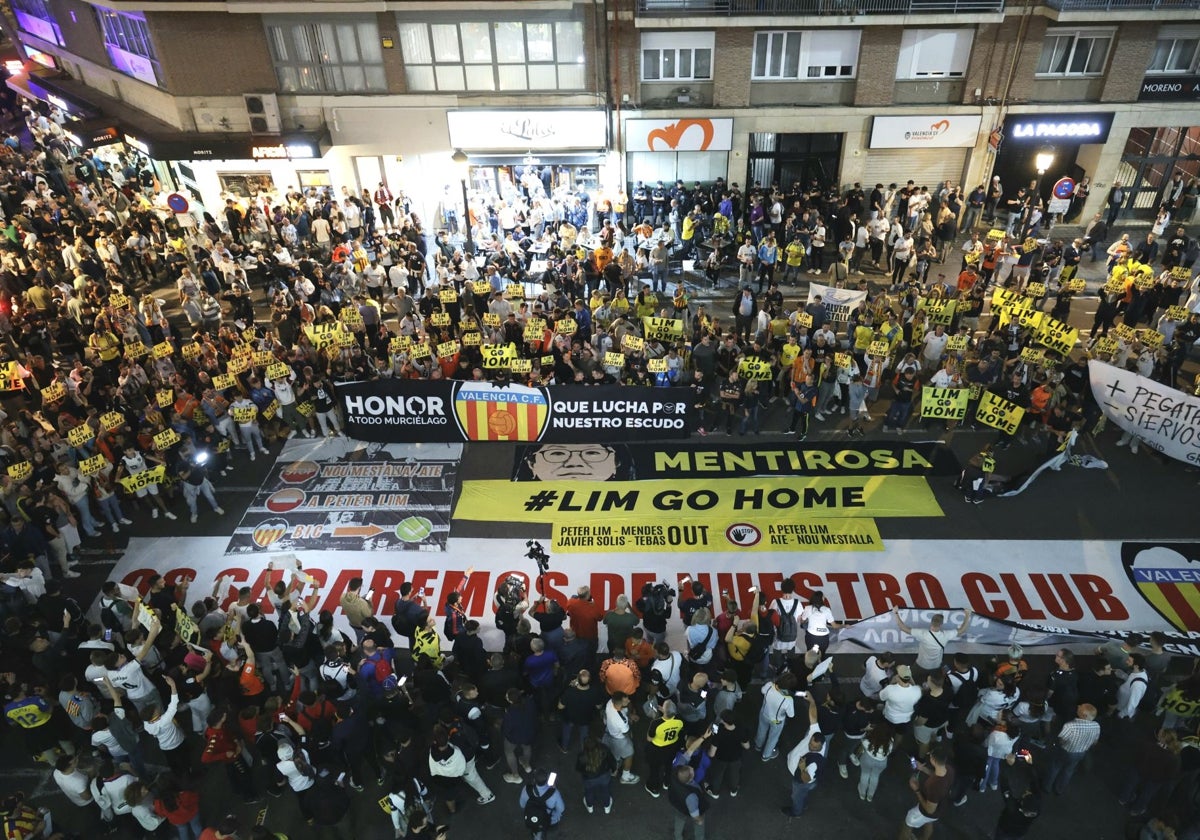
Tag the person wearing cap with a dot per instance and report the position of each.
(932, 641)
(900, 697)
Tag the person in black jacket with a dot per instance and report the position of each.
(688, 800)
(469, 652)
(579, 703)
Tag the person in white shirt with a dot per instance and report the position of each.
(72, 782)
(877, 672)
(931, 643)
(669, 663)
(777, 706)
(160, 724)
(616, 735)
(29, 579)
(127, 674)
(108, 790)
(806, 761)
(286, 395)
(818, 620)
(900, 697)
(1131, 692)
(295, 766)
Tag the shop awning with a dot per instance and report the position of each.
(586, 158)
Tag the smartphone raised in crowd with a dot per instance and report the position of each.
(551, 779)
(913, 763)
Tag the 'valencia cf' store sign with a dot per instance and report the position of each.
(435, 412)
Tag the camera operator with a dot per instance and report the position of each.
(655, 609)
(510, 603)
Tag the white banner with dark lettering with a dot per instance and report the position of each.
(1091, 586)
(839, 303)
(1164, 418)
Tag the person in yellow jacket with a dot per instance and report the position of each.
(688, 235)
(793, 256)
(662, 739)
(427, 645)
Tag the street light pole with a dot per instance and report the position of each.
(462, 162)
(1042, 161)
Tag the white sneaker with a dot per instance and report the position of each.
(1133, 446)
(219, 511)
(194, 518)
(154, 513)
(628, 778)
(116, 528)
(125, 521)
(70, 573)
(820, 416)
(170, 515)
(308, 433)
(587, 806)
(251, 455)
(264, 450)
(292, 434)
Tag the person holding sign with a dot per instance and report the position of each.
(75, 487)
(133, 464)
(245, 414)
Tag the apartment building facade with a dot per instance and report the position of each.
(233, 97)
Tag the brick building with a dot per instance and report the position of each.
(229, 96)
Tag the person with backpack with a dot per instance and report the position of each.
(374, 668)
(688, 799)
(701, 599)
(655, 609)
(542, 806)
(410, 612)
(806, 763)
(787, 627)
(963, 682)
(701, 638)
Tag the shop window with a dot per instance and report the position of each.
(677, 56)
(934, 53)
(1175, 51)
(130, 50)
(1081, 52)
(314, 178)
(342, 57)
(35, 17)
(500, 56)
(797, 55)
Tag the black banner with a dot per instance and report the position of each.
(389, 410)
(633, 462)
(343, 495)
(1169, 88)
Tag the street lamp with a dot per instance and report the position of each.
(462, 164)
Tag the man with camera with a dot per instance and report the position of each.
(655, 609)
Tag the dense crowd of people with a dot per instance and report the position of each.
(120, 398)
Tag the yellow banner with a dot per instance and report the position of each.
(1036, 290)
(20, 470)
(93, 465)
(663, 329)
(166, 439)
(54, 392)
(944, 403)
(133, 483)
(999, 413)
(163, 350)
(521, 365)
(10, 377)
(633, 342)
(753, 534)
(497, 356)
(448, 296)
(481, 287)
(278, 370)
(708, 500)
(491, 319)
(514, 291)
(244, 414)
(753, 368)
(421, 350)
(566, 326)
(164, 397)
(614, 359)
(237, 365)
(656, 365)
(957, 344)
(80, 435)
(306, 408)
(351, 317)
(939, 310)
(112, 420)
(191, 351)
(447, 348)
(472, 338)
(439, 319)
(1058, 335)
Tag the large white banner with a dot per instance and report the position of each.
(1077, 585)
(940, 131)
(839, 303)
(1164, 418)
(686, 134)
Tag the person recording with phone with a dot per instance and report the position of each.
(726, 746)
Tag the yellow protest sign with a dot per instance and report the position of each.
(277, 371)
(191, 351)
(81, 434)
(1033, 356)
(938, 310)
(306, 408)
(843, 360)
(447, 348)
(351, 317)
(1030, 319)
(879, 348)
(321, 335)
(729, 534)
(1075, 285)
(223, 381)
(185, 626)
(93, 465)
(164, 397)
(238, 365)
(145, 478)
(996, 234)
(1058, 335)
(1181, 272)
(521, 365)
(343, 339)
(662, 329)
(20, 470)
(135, 350)
(497, 356)
(944, 403)
(1176, 313)
(118, 300)
(262, 358)
(481, 287)
(957, 343)
(243, 414)
(804, 319)
(10, 377)
(514, 291)
(614, 359)
(1029, 245)
(271, 410)
(472, 339)
(163, 350)
(421, 350)
(656, 365)
(111, 420)
(491, 319)
(166, 439)
(448, 296)
(54, 392)
(1106, 346)
(1151, 338)
(1115, 286)
(399, 344)
(997, 412)
(1036, 290)
(223, 445)
(1144, 282)
(439, 319)
(633, 342)
(249, 335)
(566, 326)
(754, 368)
(1124, 332)
(532, 333)
(547, 361)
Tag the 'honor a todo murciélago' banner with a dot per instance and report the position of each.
(1058, 586)
(389, 410)
(1166, 419)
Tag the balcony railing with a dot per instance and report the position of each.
(735, 8)
(1122, 5)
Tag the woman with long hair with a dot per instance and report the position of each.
(877, 746)
(596, 765)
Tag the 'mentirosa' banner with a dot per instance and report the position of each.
(621, 462)
(394, 411)
(1166, 419)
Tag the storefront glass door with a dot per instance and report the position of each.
(1152, 158)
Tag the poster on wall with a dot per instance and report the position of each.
(246, 184)
(685, 134)
(342, 495)
(938, 131)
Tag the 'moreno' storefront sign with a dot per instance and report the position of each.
(438, 412)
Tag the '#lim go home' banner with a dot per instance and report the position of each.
(394, 411)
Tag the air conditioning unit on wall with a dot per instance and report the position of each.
(263, 111)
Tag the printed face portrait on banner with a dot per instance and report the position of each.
(573, 462)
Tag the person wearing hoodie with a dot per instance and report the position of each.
(519, 727)
(447, 768)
